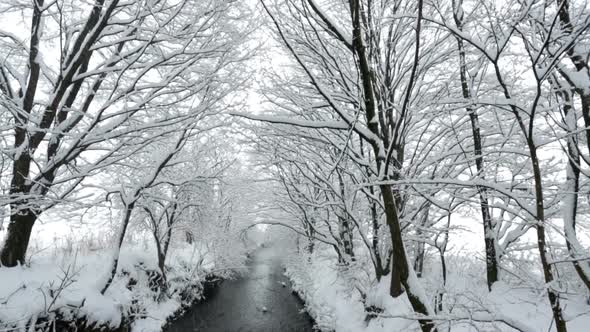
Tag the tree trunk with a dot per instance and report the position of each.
(17, 238)
(402, 277)
(442, 248)
(22, 219)
(162, 282)
(310, 234)
(573, 166)
(585, 97)
(125, 222)
(574, 247)
(420, 246)
(380, 270)
(581, 64)
(552, 294)
(572, 188)
(488, 224)
(400, 271)
(440, 295)
(346, 238)
(419, 260)
(189, 237)
(346, 234)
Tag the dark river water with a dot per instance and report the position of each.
(257, 302)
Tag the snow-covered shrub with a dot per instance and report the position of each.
(336, 304)
(46, 294)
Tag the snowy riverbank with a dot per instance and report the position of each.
(332, 297)
(63, 288)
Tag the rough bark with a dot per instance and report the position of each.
(345, 225)
(17, 238)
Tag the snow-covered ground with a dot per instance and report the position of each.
(333, 300)
(63, 284)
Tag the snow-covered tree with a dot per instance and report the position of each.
(125, 73)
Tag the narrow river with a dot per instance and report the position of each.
(257, 302)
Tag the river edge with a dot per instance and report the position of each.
(83, 325)
(300, 299)
(266, 277)
(192, 294)
(208, 288)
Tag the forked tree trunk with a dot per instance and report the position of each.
(573, 167)
(572, 188)
(402, 276)
(539, 222)
(161, 252)
(28, 135)
(581, 87)
(488, 224)
(22, 218)
(539, 218)
(189, 238)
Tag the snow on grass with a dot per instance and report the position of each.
(156, 315)
(66, 286)
(336, 305)
(327, 297)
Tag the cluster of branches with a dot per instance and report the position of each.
(117, 99)
(395, 115)
(180, 196)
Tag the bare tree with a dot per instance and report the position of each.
(543, 54)
(371, 89)
(120, 67)
(130, 196)
(171, 205)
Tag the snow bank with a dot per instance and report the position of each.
(66, 287)
(337, 305)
